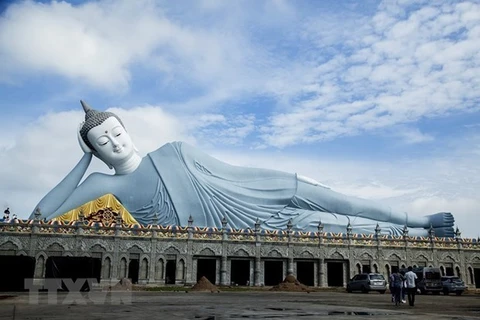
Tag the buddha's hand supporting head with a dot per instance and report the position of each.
(82, 143)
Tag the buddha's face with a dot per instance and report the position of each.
(111, 142)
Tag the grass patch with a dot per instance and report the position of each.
(167, 289)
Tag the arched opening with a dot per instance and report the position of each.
(159, 270)
(470, 276)
(40, 267)
(15, 270)
(457, 272)
(144, 269)
(359, 268)
(375, 268)
(387, 269)
(180, 270)
(442, 271)
(106, 268)
(122, 268)
(170, 272)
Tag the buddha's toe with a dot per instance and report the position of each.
(446, 232)
(442, 219)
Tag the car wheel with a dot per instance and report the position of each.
(364, 290)
(349, 290)
(436, 292)
(459, 293)
(382, 291)
(445, 292)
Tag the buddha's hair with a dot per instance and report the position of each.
(94, 118)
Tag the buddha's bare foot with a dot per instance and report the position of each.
(446, 232)
(441, 219)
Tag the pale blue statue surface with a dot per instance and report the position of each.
(177, 181)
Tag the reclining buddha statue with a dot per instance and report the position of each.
(179, 181)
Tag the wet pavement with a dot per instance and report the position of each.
(236, 305)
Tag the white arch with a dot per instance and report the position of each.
(22, 253)
(106, 268)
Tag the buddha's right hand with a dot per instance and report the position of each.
(82, 143)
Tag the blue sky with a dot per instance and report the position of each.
(376, 99)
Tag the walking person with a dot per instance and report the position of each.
(390, 286)
(411, 278)
(397, 286)
(404, 286)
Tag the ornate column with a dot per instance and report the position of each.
(224, 229)
(257, 232)
(320, 233)
(40, 263)
(349, 266)
(223, 271)
(35, 230)
(461, 254)
(153, 257)
(349, 233)
(36, 221)
(321, 261)
(378, 231)
(290, 262)
(80, 223)
(257, 269)
(431, 235)
(189, 276)
(116, 247)
(458, 237)
(408, 258)
(223, 267)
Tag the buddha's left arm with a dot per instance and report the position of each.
(64, 189)
(92, 188)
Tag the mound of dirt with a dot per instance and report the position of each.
(291, 284)
(204, 285)
(123, 285)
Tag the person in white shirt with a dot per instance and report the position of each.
(410, 278)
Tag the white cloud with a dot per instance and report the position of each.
(408, 61)
(411, 135)
(94, 42)
(99, 42)
(405, 64)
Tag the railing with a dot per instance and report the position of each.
(117, 229)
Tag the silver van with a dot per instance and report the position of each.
(429, 280)
(366, 282)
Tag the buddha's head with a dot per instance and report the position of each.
(105, 134)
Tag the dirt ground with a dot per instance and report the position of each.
(237, 305)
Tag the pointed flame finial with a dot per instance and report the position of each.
(85, 106)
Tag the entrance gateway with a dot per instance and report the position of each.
(336, 273)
